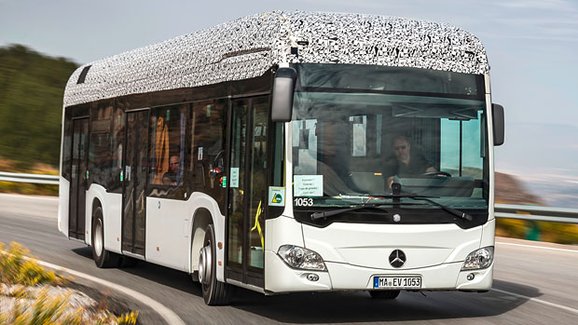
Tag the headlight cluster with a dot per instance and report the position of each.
(301, 258)
(479, 259)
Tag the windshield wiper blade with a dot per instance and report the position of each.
(457, 213)
(325, 214)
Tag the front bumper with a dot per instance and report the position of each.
(280, 278)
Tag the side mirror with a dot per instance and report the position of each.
(499, 124)
(283, 87)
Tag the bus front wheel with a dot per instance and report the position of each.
(215, 292)
(102, 257)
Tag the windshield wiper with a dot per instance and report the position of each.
(325, 214)
(457, 213)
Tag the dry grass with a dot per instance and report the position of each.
(17, 268)
(56, 310)
(28, 289)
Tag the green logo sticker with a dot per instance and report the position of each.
(276, 196)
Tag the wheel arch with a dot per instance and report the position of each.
(201, 219)
(204, 211)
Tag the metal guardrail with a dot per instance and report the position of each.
(29, 178)
(536, 213)
(524, 212)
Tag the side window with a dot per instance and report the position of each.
(207, 148)
(167, 149)
(117, 143)
(100, 155)
(366, 136)
(305, 147)
(359, 135)
(67, 146)
(463, 158)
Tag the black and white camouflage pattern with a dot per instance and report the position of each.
(248, 47)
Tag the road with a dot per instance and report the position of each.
(534, 283)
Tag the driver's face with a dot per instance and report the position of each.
(402, 150)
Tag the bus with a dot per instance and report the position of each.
(289, 152)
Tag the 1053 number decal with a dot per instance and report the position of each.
(303, 202)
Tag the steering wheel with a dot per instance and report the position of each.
(438, 174)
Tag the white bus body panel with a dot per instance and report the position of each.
(111, 204)
(169, 230)
(354, 253)
(63, 205)
(168, 226)
(370, 245)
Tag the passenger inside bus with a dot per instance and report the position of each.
(171, 176)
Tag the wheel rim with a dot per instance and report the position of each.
(205, 262)
(98, 238)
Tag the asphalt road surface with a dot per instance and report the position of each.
(534, 283)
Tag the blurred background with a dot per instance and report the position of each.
(531, 45)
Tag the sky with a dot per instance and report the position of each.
(532, 47)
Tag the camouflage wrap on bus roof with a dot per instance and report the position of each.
(248, 47)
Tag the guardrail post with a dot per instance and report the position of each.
(533, 232)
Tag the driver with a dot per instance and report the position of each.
(406, 163)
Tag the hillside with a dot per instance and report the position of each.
(31, 90)
(510, 190)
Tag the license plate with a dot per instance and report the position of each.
(396, 282)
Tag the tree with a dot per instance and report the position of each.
(31, 90)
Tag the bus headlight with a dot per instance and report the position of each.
(479, 259)
(301, 258)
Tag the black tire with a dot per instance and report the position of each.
(102, 257)
(214, 292)
(384, 294)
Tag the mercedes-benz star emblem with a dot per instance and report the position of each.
(397, 258)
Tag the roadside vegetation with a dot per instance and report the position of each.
(30, 294)
(12, 166)
(553, 232)
(31, 92)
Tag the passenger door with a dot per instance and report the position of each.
(247, 193)
(79, 178)
(134, 182)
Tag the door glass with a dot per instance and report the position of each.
(258, 198)
(207, 172)
(78, 178)
(248, 185)
(135, 175)
(237, 186)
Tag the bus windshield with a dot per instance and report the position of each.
(358, 132)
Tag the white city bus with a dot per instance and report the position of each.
(265, 153)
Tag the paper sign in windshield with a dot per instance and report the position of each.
(308, 185)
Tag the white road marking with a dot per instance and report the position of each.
(540, 247)
(168, 315)
(30, 197)
(540, 301)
